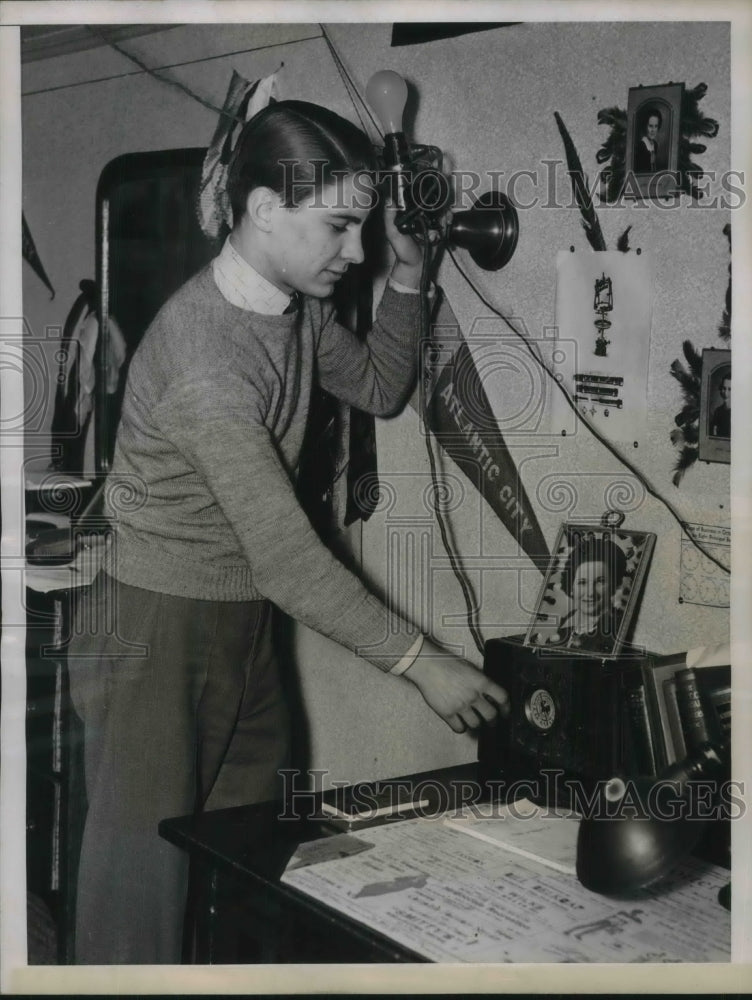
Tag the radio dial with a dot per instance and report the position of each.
(540, 709)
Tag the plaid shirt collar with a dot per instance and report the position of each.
(244, 287)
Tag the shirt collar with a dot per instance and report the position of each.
(244, 287)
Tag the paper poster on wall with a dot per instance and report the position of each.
(603, 316)
(700, 580)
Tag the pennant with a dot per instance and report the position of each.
(30, 255)
(243, 100)
(460, 417)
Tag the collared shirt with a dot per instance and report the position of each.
(242, 286)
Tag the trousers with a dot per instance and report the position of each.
(183, 709)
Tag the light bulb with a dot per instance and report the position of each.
(386, 92)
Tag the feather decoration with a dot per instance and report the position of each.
(690, 383)
(686, 435)
(616, 117)
(623, 242)
(687, 458)
(688, 419)
(580, 189)
(694, 359)
(724, 329)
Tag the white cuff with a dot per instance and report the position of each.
(409, 658)
(407, 290)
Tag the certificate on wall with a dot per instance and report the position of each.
(603, 317)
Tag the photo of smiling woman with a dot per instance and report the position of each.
(592, 575)
(592, 588)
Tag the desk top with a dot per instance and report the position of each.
(259, 840)
(254, 843)
(418, 886)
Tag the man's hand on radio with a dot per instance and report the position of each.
(456, 690)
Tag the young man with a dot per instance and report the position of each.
(181, 702)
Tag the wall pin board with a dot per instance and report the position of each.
(603, 317)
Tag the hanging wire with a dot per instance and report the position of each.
(350, 85)
(425, 280)
(157, 75)
(594, 430)
(471, 603)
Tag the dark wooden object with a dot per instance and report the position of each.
(241, 912)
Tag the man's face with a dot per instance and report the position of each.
(653, 126)
(725, 391)
(313, 245)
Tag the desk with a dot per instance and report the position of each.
(244, 913)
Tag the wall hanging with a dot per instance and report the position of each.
(619, 178)
(603, 317)
(685, 436)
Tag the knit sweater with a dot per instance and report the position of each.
(202, 484)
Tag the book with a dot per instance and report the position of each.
(679, 747)
(695, 724)
(641, 730)
(365, 804)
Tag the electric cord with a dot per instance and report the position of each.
(639, 475)
(425, 339)
(350, 85)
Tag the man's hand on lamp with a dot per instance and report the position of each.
(408, 254)
(456, 690)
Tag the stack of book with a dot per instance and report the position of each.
(673, 708)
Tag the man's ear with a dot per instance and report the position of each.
(260, 206)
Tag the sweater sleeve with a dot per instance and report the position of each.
(375, 374)
(235, 455)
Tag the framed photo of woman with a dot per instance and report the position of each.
(653, 132)
(591, 590)
(715, 406)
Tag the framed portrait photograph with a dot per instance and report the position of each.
(653, 132)
(591, 590)
(715, 406)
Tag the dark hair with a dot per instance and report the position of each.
(594, 549)
(653, 113)
(295, 148)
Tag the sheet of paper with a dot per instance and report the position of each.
(548, 836)
(608, 383)
(455, 898)
(701, 581)
(317, 852)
